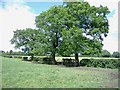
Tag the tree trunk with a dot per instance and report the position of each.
(76, 59)
(53, 57)
(55, 44)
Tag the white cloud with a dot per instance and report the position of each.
(111, 41)
(14, 16)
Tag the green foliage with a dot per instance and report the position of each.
(94, 48)
(106, 53)
(38, 60)
(50, 23)
(116, 54)
(25, 58)
(11, 52)
(108, 63)
(50, 61)
(2, 53)
(84, 62)
(69, 62)
(8, 56)
(85, 26)
(71, 28)
(17, 53)
(29, 41)
(17, 56)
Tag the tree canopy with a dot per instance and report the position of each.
(71, 28)
(51, 24)
(31, 41)
(85, 28)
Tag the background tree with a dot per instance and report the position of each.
(11, 52)
(2, 52)
(17, 53)
(116, 54)
(29, 41)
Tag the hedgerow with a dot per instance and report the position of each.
(108, 63)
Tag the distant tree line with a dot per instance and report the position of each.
(11, 52)
(104, 53)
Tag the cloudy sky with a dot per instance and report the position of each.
(20, 14)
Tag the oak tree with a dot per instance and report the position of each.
(86, 26)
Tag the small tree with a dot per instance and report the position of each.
(116, 54)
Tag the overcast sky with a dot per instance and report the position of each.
(20, 14)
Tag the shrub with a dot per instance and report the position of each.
(106, 53)
(48, 60)
(8, 56)
(19, 57)
(85, 62)
(116, 54)
(38, 60)
(24, 58)
(70, 62)
(59, 63)
(108, 63)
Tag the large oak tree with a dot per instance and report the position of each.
(86, 26)
(51, 23)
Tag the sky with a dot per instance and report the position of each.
(20, 14)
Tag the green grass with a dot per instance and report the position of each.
(0, 73)
(23, 74)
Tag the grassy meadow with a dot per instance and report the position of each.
(0, 73)
(23, 74)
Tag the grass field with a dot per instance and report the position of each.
(0, 73)
(23, 74)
